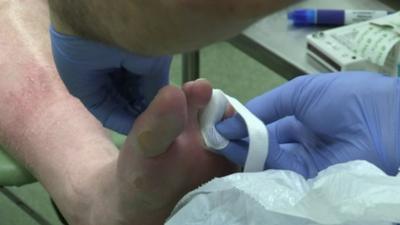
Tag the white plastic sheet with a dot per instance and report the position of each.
(352, 193)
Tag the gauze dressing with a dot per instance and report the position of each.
(258, 133)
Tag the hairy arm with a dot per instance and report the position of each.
(159, 26)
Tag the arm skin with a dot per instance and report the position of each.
(158, 27)
(68, 151)
(40, 122)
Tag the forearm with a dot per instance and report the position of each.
(160, 27)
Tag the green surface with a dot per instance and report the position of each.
(10, 214)
(224, 66)
(36, 198)
(11, 174)
(232, 71)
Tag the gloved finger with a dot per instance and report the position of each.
(281, 131)
(233, 128)
(286, 130)
(236, 152)
(290, 156)
(310, 161)
(293, 157)
(291, 130)
(269, 107)
(286, 100)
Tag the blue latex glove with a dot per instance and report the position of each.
(115, 85)
(320, 120)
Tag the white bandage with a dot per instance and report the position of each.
(258, 133)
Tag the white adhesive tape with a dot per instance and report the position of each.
(258, 133)
(212, 114)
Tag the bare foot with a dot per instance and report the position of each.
(164, 158)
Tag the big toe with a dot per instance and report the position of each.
(160, 124)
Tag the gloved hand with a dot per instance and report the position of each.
(114, 85)
(319, 120)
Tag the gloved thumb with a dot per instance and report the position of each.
(233, 128)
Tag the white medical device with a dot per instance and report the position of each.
(371, 46)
